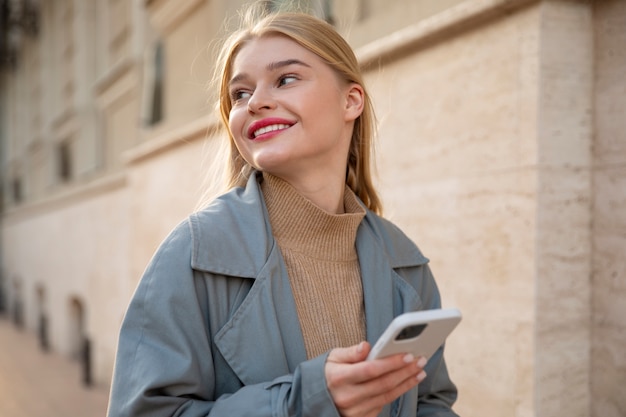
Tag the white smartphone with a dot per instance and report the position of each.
(420, 333)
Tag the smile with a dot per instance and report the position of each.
(270, 128)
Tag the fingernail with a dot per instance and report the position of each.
(421, 376)
(360, 347)
(408, 358)
(421, 362)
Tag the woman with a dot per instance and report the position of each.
(261, 303)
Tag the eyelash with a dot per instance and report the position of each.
(285, 76)
(236, 94)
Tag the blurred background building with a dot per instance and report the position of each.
(502, 153)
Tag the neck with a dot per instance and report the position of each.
(326, 192)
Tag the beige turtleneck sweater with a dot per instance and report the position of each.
(319, 251)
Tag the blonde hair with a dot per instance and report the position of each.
(323, 40)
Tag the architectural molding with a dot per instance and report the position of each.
(428, 30)
(166, 15)
(118, 82)
(200, 128)
(73, 195)
(65, 125)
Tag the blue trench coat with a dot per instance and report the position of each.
(212, 328)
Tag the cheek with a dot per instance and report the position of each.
(239, 141)
(234, 123)
(243, 151)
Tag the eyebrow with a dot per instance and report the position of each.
(272, 66)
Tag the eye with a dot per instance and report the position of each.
(286, 79)
(237, 95)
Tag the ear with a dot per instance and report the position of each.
(355, 100)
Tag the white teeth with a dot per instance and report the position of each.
(269, 128)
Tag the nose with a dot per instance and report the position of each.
(261, 99)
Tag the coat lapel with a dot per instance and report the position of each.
(385, 293)
(382, 248)
(377, 281)
(263, 340)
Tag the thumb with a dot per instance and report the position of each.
(351, 354)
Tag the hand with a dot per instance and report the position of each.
(362, 388)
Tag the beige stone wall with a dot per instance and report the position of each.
(82, 238)
(186, 29)
(563, 311)
(362, 22)
(166, 182)
(458, 168)
(608, 279)
(486, 140)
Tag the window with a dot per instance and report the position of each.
(272, 5)
(18, 193)
(327, 11)
(320, 8)
(364, 9)
(64, 161)
(154, 77)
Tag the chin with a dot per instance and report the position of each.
(271, 164)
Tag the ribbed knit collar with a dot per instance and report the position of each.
(301, 226)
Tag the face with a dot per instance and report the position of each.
(291, 114)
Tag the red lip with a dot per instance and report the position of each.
(267, 122)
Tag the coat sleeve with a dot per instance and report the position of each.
(437, 393)
(164, 363)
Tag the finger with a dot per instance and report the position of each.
(351, 354)
(341, 371)
(370, 370)
(368, 382)
(391, 380)
(394, 385)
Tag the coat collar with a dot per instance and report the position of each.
(233, 235)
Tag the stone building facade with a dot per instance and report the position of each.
(502, 153)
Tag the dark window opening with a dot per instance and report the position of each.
(155, 83)
(327, 12)
(319, 8)
(64, 159)
(18, 193)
